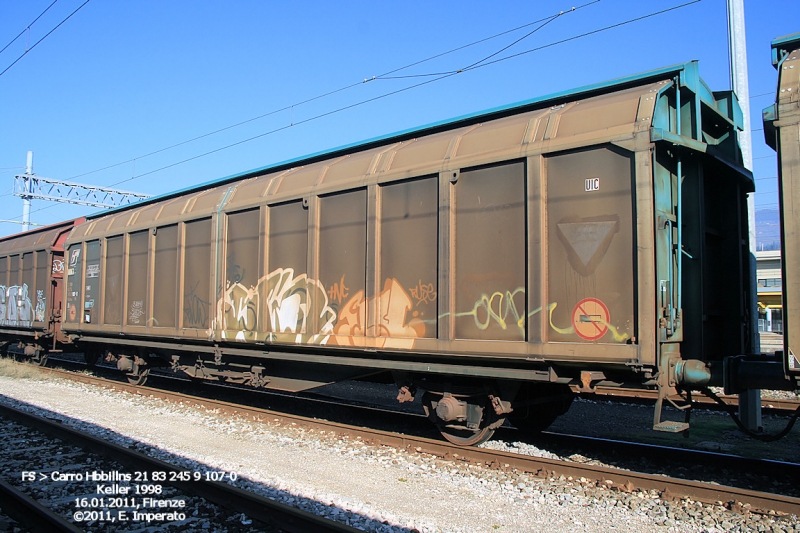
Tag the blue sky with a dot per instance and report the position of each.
(121, 79)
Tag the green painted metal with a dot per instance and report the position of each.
(782, 46)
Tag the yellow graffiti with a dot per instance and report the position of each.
(286, 308)
(562, 331)
(498, 308)
(619, 337)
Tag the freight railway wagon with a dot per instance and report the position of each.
(31, 291)
(782, 133)
(597, 236)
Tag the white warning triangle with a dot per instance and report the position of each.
(586, 237)
(586, 240)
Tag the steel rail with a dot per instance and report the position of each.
(260, 508)
(647, 395)
(624, 480)
(30, 512)
(776, 406)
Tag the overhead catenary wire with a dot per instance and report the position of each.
(386, 75)
(544, 22)
(43, 38)
(28, 27)
(593, 32)
(390, 93)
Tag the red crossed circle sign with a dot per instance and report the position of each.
(590, 319)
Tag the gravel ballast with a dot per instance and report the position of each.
(373, 488)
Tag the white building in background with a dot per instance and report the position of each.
(770, 304)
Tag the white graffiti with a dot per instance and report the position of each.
(291, 302)
(15, 306)
(297, 309)
(93, 270)
(41, 304)
(136, 312)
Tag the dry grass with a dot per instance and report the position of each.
(13, 369)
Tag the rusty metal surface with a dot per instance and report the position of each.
(265, 291)
(528, 236)
(787, 111)
(591, 232)
(30, 264)
(489, 274)
(622, 479)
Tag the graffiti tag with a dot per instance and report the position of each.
(393, 304)
(41, 303)
(15, 305)
(235, 272)
(136, 312)
(338, 292)
(93, 270)
(499, 308)
(195, 309)
(423, 293)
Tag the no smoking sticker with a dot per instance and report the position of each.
(590, 319)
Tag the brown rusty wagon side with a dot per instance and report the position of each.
(594, 236)
(32, 291)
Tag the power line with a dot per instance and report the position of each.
(43, 38)
(276, 130)
(545, 22)
(369, 100)
(385, 75)
(555, 43)
(619, 24)
(391, 93)
(28, 27)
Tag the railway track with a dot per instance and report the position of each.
(770, 405)
(97, 481)
(776, 406)
(613, 478)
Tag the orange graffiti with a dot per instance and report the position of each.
(394, 305)
(423, 293)
(338, 292)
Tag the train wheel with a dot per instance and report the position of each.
(139, 379)
(463, 420)
(466, 437)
